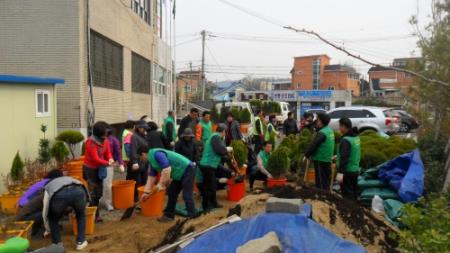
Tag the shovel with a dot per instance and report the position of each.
(130, 210)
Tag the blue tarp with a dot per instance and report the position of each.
(297, 234)
(405, 174)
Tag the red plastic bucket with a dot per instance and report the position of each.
(236, 191)
(272, 182)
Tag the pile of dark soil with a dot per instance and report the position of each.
(362, 223)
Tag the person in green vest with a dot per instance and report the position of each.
(258, 131)
(348, 158)
(214, 152)
(169, 128)
(321, 151)
(177, 174)
(259, 171)
(204, 128)
(271, 133)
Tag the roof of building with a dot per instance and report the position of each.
(30, 79)
(379, 68)
(309, 56)
(339, 67)
(190, 72)
(407, 59)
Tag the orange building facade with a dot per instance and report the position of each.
(388, 79)
(315, 73)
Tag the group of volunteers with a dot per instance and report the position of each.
(174, 159)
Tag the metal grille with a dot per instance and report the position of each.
(141, 71)
(107, 62)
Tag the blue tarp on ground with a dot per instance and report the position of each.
(297, 234)
(405, 174)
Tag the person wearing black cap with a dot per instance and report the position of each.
(136, 169)
(214, 152)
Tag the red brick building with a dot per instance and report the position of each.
(188, 84)
(391, 80)
(314, 72)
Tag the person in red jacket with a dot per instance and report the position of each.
(97, 157)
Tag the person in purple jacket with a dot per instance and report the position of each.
(116, 152)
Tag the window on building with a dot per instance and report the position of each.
(140, 76)
(107, 62)
(331, 88)
(142, 9)
(408, 75)
(316, 74)
(160, 79)
(42, 103)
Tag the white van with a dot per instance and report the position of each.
(284, 112)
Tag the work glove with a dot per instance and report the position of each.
(122, 168)
(340, 177)
(223, 180)
(111, 161)
(304, 159)
(160, 187)
(172, 144)
(135, 166)
(229, 149)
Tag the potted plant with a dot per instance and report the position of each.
(71, 138)
(240, 153)
(10, 199)
(278, 164)
(59, 152)
(236, 185)
(245, 118)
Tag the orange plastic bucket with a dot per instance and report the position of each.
(90, 221)
(9, 203)
(311, 176)
(123, 193)
(235, 191)
(154, 205)
(272, 182)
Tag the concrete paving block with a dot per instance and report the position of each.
(269, 243)
(277, 205)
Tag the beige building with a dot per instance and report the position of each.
(128, 42)
(26, 103)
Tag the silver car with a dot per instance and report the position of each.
(364, 118)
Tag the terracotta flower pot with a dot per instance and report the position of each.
(123, 193)
(154, 205)
(90, 221)
(273, 182)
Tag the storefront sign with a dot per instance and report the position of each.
(283, 96)
(315, 95)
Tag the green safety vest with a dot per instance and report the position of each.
(209, 157)
(355, 154)
(124, 154)
(174, 132)
(206, 130)
(177, 162)
(260, 126)
(264, 157)
(270, 136)
(325, 151)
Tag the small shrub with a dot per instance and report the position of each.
(59, 151)
(236, 113)
(44, 147)
(278, 163)
(71, 138)
(245, 116)
(433, 157)
(240, 152)
(427, 226)
(371, 157)
(17, 168)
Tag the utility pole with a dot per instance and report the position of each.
(190, 66)
(203, 33)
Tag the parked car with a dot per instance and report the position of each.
(363, 118)
(285, 109)
(406, 121)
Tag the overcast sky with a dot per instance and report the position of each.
(378, 30)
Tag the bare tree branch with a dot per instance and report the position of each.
(318, 36)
